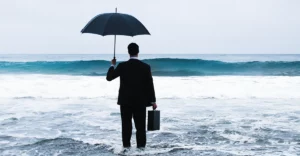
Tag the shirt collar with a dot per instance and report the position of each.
(136, 58)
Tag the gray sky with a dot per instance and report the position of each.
(177, 26)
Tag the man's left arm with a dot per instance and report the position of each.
(151, 89)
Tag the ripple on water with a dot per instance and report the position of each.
(224, 122)
(228, 131)
(246, 127)
(249, 121)
(204, 136)
(275, 133)
(9, 121)
(263, 141)
(166, 137)
(65, 146)
(169, 120)
(5, 137)
(115, 114)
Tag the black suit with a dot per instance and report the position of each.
(135, 94)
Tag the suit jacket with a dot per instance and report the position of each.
(136, 83)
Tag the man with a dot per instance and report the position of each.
(135, 94)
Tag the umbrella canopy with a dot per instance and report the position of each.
(115, 24)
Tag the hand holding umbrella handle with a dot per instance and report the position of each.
(113, 61)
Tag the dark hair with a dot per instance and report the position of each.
(133, 49)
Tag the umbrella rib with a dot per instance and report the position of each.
(106, 23)
(128, 25)
(90, 22)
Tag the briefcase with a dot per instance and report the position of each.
(153, 120)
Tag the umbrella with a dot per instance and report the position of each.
(115, 24)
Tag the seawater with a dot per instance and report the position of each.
(162, 65)
(76, 114)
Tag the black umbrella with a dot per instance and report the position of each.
(115, 24)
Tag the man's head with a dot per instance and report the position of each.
(133, 49)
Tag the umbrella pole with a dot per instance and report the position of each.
(115, 42)
(115, 48)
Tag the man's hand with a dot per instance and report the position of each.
(154, 106)
(114, 61)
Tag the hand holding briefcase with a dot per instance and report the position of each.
(153, 120)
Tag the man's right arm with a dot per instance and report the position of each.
(113, 73)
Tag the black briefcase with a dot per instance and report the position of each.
(153, 120)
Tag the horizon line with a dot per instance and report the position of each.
(150, 54)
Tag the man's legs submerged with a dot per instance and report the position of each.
(126, 116)
(139, 116)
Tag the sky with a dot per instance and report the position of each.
(176, 26)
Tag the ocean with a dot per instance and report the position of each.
(210, 105)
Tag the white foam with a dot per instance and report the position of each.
(221, 87)
(84, 108)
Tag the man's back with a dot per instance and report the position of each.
(136, 84)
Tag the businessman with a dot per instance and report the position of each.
(136, 92)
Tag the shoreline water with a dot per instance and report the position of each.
(212, 126)
(200, 115)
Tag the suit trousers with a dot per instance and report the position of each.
(139, 116)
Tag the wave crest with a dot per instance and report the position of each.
(160, 67)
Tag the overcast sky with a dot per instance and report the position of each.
(176, 26)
